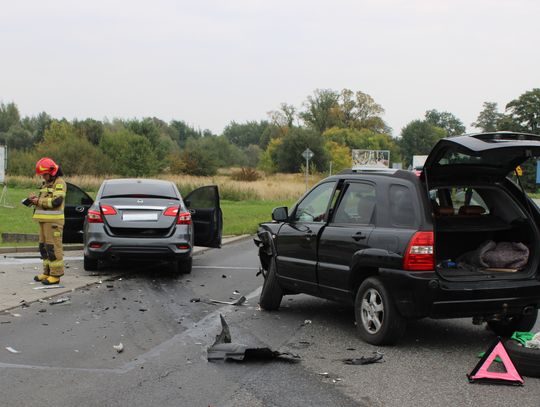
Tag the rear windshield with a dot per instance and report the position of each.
(139, 188)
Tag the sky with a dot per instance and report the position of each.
(209, 62)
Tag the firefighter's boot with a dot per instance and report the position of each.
(51, 280)
(41, 277)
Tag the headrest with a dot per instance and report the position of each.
(443, 210)
(471, 210)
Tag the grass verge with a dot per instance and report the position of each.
(239, 217)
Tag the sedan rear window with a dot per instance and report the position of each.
(139, 188)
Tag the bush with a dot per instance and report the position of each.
(246, 174)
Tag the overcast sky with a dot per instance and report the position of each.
(209, 62)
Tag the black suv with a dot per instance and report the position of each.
(395, 245)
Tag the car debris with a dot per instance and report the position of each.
(119, 348)
(238, 302)
(59, 301)
(306, 322)
(365, 360)
(224, 349)
(10, 349)
(195, 300)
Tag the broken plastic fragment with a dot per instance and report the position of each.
(59, 301)
(377, 357)
(10, 349)
(119, 348)
(239, 301)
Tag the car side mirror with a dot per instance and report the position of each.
(280, 214)
(187, 202)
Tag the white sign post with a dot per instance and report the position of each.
(3, 166)
(308, 155)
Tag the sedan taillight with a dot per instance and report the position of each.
(94, 216)
(184, 218)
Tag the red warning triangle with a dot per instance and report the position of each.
(481, 374)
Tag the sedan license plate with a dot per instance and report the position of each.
(139, 216)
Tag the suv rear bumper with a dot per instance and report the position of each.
(424, 294)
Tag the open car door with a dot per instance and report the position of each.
(76, 207)
(203, 203)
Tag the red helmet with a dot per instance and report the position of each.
(46, 166)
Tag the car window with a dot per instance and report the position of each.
(457, 198)
(402, 212)
(75, 196)
(357, 205)
(313, 207)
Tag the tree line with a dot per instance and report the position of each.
(331, 123)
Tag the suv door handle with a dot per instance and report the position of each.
(309, 234)
(358, 236)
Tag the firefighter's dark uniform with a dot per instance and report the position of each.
(49, 213)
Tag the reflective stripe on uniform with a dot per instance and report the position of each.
(46, 190)
(48, 215)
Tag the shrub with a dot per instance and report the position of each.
(246, 174)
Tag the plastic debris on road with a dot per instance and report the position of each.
(377, 357)
(10, 349)
(119, 348)
(238, 302)
(224, 349)
(48, 287)
(59, 301)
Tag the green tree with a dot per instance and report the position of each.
(267, 163)
(288, 155)
(253, 155)
(198, 161)
(37, 125)
(74, 153)
(244, 134)
(340, 156)
(182, 132)
(322, 110)
(132, 154)
(17, 137)
(418, 138)
(360, 111)
(90, 129)
(9, 116)
(488, 118)
(446, 121)
(22, 162)
(525, 110)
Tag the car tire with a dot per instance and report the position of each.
(183, 266)
(271, 294)
(377, 319)
(521, 323)
(526, 360)
(90, 264)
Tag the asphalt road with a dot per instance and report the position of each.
(66, 355)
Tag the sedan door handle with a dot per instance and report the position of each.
(358, 236)
(79, 209)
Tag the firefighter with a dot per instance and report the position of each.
(49, 213)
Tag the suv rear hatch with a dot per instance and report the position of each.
(471, 206)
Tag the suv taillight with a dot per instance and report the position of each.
(420, 254)
(184, 218)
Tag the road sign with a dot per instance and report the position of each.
(308, 154)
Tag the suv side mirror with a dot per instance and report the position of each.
(280, 214)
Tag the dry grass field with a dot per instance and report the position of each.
(277, 187)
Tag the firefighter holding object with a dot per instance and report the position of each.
(49, 213)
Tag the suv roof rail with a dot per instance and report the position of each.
(504, 136)
(368, 169)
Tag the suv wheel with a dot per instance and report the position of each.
(90, 264)
(507, 327)
(271, 294)
(377, 319)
